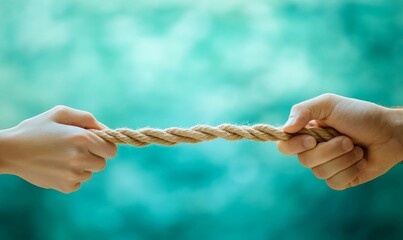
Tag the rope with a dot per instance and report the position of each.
(201, 133)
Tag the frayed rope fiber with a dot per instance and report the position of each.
(201, 133)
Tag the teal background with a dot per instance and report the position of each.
(180, 63)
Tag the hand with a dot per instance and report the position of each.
(370, 145)
(54, 149)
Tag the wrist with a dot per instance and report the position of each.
(5, 148)
(396, 121)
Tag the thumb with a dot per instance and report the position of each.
(74, 117)
(318, 108)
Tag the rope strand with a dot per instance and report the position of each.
(201, 133)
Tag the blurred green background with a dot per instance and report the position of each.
(180, 63)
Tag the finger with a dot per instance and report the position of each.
(69, 188)
(296, 145)
(74, 187)
(103, 126)
(312, 123)
(343, 179)
(74, 117)
(326, 151)
(331, 168)
(92, 163)
(369, 174)
(85, 176)
(100, 147)
(77, 175)
(313, 109)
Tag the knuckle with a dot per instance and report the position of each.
(79, 139)
(327, 97)
(283, 147)
(333, 185)
(305, 113)
(336, 145)
(73, 177)
(76, 162)
(69, 188)
(296, 107)
(61, 110)
(74, 187)
(113, 151)
(101, 165)
(319, 173)
(304, 161)
(87, 175)
(88, 115)
(302, 110)
(76, 158)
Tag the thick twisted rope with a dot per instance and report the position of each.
(201, 133)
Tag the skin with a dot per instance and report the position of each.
(370, 145)
(54, 150)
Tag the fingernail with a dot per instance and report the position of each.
(290, 121)
(358, 151)
(309, 142)
(362, 164)
(346, 144)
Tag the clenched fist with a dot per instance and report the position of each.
(370, 145)
(54, 150)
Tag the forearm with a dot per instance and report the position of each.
(2, 151)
